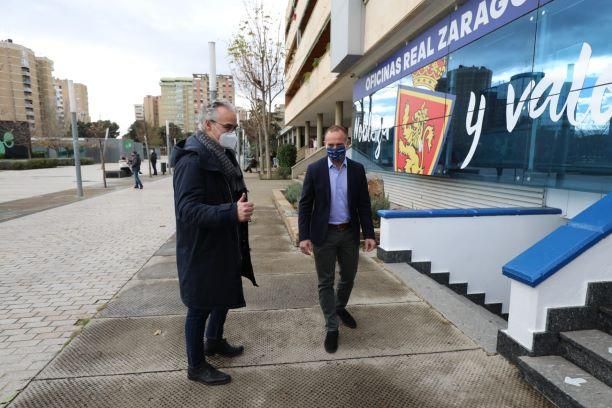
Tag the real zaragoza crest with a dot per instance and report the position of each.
(421, 121)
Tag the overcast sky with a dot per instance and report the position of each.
(121, 48)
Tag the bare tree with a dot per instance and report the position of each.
(256, 54)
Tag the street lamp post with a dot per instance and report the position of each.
(75, 138)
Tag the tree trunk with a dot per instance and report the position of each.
(260, 147)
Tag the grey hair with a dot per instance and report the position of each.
(210, 113)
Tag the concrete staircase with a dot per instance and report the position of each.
(571, 363)
(443, 278)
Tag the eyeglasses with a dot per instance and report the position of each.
(227, 126)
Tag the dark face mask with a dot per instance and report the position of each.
(336, 154)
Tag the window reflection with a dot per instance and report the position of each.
(546, 85)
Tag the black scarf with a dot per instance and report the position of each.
(231, 171)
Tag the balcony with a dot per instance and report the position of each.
(311, 88)
(317, 23)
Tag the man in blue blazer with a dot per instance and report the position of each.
(334, 205)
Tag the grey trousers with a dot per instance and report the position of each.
(341, 247)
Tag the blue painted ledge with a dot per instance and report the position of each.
(563, 245)
(467, 212)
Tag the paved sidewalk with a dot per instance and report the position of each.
(20, 184)
(403, 353)
(59, 266)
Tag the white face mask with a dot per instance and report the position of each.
(229, 140)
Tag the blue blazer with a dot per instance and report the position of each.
(315, 203)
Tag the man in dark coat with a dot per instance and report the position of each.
(135, 163)
(334, 204)
(153, 158)
(212, 243)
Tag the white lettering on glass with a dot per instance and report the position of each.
(534, 92)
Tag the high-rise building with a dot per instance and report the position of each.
(82, 102)
(151, 110)
(225, 88)
(182, 99)
(139, 111)
(19, 87)
(48, 105)
(177, 103)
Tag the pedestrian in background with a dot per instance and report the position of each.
(135, 163)
(335, 202)
(153, 158)
(212, 242)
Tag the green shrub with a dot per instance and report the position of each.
(40, 163)
(286, 155)
(284, 172)
(293, 192)
(378, 203)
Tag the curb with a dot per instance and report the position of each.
(288, 215)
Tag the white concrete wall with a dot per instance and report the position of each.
(566, 288)
(571, 202)
(472, 249)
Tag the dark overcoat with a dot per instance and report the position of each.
(212, 246)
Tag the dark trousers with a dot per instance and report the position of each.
(195, 322)
(339, 246)
(154, 164)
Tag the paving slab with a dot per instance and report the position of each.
(159, 267)
(164, 267)
(116, 346)
(153, 297)
(459, 379)
(168, 249)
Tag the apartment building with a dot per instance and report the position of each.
(151, 110)
(366, 65)
(182, 99)
(139, 112)
(63, 102)
(20, 99)
(177, 102)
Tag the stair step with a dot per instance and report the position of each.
(548, 374)
(440, 277)
(591, 350)
(605, 318)
(459, 288)
(478, 298)
(421, 266)
(495, 308)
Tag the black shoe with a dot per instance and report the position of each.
(331, 341)
(208, 375)
(222, 348)
(346, 318)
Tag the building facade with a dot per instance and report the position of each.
(20, 99)
(63, 102)
(48, 106)
(182, 99)
(177, 103)
(139, 112)
(488, 104)
(151, 110)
